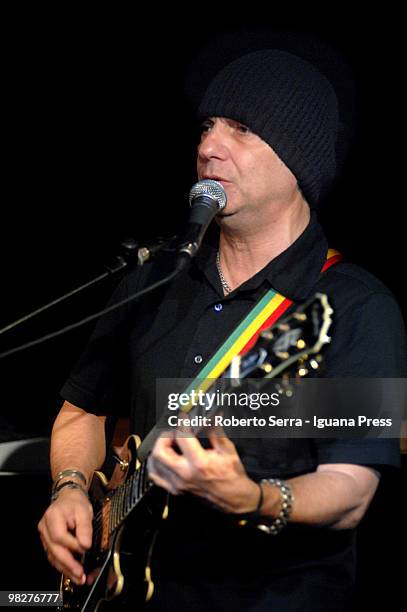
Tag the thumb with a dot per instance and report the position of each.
(83, 529)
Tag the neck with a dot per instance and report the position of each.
(243, 253)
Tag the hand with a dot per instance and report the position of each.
(65, 530)
(216, 474)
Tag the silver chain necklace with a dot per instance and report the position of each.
(223, 280)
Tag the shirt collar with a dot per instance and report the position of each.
(293, 273)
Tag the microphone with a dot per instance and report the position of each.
(206, 198)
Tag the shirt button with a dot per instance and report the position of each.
(218, 307)
(198, 358)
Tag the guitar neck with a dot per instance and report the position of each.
(118, 504)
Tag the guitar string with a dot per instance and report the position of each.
(139, 484)
(117, 500)
(123, 500)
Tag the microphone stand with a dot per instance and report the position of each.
(207, 198)
(130, 254)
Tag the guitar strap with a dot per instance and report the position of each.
(263, 315)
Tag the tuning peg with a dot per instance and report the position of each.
(302, 371)
(314, 364)
(300, 316)
(267, 367)
(300, 344)
(267, 334)
(284, 327)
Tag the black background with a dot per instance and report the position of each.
(98, 144)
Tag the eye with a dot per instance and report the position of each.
(206, 126)
(243, 129)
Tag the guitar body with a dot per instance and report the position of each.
(120, 556)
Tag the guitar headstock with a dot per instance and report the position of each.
(290, 347)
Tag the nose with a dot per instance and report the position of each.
(213, 144)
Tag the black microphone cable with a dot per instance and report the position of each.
(130, 250)
(91, 317)
(206, 198)
(58, 300)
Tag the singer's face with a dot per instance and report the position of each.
(254, 177)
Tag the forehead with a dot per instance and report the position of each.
(248, 137)
(226, 120)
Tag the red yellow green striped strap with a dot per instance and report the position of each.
(332, 258)
(264, 314)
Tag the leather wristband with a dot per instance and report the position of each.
(255, 514)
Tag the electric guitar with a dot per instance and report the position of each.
(130, 508)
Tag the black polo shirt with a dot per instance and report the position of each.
(172, 333)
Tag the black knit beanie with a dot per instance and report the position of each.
(288, 103)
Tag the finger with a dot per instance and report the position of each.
(164, 453)
(164, 483)
(44, 544)
(165, 477)
(219, 440)
(65, 562)
(83, 530)
(165, 440)
(55, 531)
(191, 449)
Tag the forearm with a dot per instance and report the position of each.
(77, 441)
(336, 495)
(334, 498)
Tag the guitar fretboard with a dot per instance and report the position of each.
(122, 501)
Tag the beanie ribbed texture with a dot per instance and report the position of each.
(288, 103)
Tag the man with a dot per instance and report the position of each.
(269, 136)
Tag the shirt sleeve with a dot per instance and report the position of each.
(370, 343)
(99, 381)
(377, 453)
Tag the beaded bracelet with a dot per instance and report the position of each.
(274, 526)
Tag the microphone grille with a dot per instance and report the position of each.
(210, 188)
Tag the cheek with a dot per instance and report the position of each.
(260, 178)
(276, 177)
(233, 193)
